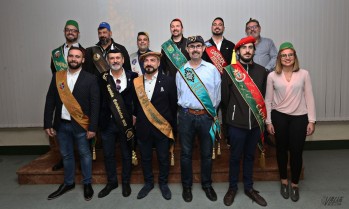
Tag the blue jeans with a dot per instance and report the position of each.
(243, 143)
(161, 144)
(188, 126)
(109, 136)
(67, 136)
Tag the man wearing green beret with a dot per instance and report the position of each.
(59, 62)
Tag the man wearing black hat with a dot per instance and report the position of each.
(96, 55)
(243, 89)
(59, 61)
(179, 43)
(143, 47)
(156, 111)
(117, 95)
(199, 94)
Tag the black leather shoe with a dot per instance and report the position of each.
(210, 193)
(58, 166)
(126, 190)
(107, 189)
(253, 194)
(294, 194)
(284, 191)
(145, 191)
(229, 197)
(61, 190)
(187, 195)
(165, 191)
(88, 192)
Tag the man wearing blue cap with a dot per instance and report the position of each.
(96, 55)
(59, 62)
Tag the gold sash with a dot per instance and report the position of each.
(69, 100)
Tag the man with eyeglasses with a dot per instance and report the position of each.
(218, 43)
(59, 62)
(243, 89)
(199, 94)
(266, 51)
(116, 121)
(143, 47)
(174, 49)
(96, 55)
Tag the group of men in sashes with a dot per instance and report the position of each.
(175, 92)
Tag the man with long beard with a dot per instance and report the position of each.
(116, 106)
(243, 89)
(96, 55)
(71, 114)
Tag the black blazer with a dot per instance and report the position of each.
(164, 100)
(86, 92)
(226, 50)
(127, 95)
(53, 68)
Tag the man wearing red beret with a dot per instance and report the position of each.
(243, 88)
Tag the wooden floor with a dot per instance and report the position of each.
(39, 171)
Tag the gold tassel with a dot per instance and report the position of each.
(262, 160)
(94, 152)
(219, 149)
(213, 153)
(172, 162)
(172, 159)
(233, 60)
(134, 158)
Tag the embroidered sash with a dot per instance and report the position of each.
(174, 54)
(149, 110)
(98, 59)
(58, 59)
(135, 66)
(215, 56)
(118, 108)
(199, 90)
(251, 94)
(69, 100)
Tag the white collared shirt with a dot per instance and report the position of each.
(66, 49)
(122, 78)
(149, 85)
(219, 44)
(71, 79)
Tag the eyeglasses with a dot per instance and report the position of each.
(253, 27)
(118, 87)
(70, 30)
(283, 56)
(192, 47)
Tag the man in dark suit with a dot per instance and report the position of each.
(120, 81)
(223, 45)
(156, 109)
(71, 113)
(59, 62)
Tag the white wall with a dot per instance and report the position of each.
(32, 28)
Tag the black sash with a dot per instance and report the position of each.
(99, 61)
(118, 109)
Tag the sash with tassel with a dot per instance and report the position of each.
(58, 59)
(118, 109)
(200, 92)
(153, 115)
(98, 59)
(252, 96)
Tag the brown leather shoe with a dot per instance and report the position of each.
(253, 194)
(229, 197)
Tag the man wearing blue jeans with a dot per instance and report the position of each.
(194, 118)
(73, 100)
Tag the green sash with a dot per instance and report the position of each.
(58, 59)
(251, 94)
(200, 92)
(174, 54)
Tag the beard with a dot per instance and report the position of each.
(104, 40)
(116, 66)
(74, 67)
(246, 60)
(150, 69)
(71, 40)
(217, 33)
